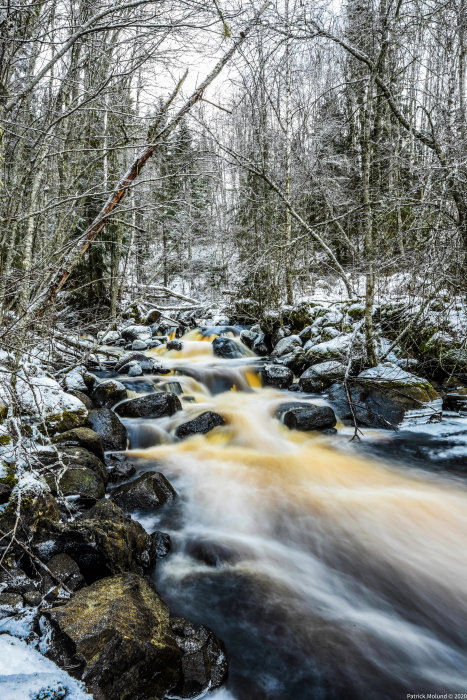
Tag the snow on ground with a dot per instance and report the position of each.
(27, 675)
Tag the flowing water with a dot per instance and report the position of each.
(327, 573)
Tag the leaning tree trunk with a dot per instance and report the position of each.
(155, 137)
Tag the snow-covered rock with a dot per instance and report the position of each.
(387, 396)
(335, 349)
(73, 381)
(143, 333)
(110, 337)
(25, 674)
(43, 400)
(321, 376)
(286, 345)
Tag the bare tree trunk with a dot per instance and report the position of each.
(69, 262)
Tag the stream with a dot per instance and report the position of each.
(330, 568)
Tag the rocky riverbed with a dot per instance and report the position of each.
(79, 558)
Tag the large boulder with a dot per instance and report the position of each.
(277, 376)
(319, 377)
(335, 349)
(287, 345)
(201, 424)
(110, 428)
(81, 437)
(147, 492)
(115, 635)
(108, 392)
(385, 397)
(104, 541)
(227, 348)
(310, 418)
(151, 406)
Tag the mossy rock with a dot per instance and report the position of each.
(356, 312)
(105, 541)
(81, 437)
(116, 636)
(76, 458)
(386, 404)
(301, 315)
(37, 510)
(66, 420)
(79, 481)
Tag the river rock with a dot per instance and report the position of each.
(81, 437)
(143, 333)
(139, 345)
(115, 635)
(30, 508)
(227, 348)
(301, 315)
(306, 334)
(329, 333)
(162, 544)
(75, 457)
(104, 541)
(84, 398)
(310, 418)
(174, 345)
(153, 316)
(121, 471)
(110, 338)
(107, 424)
(134, 369)
(248, 337)
(150, 406)
(261, 345)
(74, 381)
(201, 424)
(149, 491)
(127, 359)
(63, 568)
(386, 396)
(108, 392)
(336, 349)
(296, 360)
(76, 481)
(286, 345)
(204, 661)
(277, 376)
(320, 376)
(290, 405)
